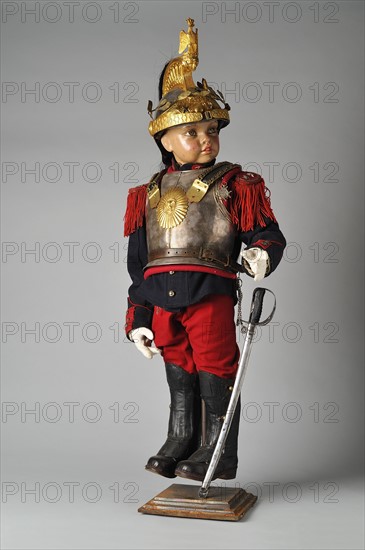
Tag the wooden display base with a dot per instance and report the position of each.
(222, 503)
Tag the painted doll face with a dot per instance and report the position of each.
(196, 142)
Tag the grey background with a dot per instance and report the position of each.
(303, 453)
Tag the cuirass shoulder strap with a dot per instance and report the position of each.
(200, 186)
(153, 189)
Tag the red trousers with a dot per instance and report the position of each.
(200, 337)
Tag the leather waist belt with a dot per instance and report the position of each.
(200, 253)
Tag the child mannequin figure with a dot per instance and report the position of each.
(186, 228)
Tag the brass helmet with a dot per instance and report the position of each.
(182, 100)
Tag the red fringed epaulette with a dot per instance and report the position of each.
(135, 211)
(250, 201)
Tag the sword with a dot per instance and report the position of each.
(254, 321)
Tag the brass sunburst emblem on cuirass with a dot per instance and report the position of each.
(172, 208)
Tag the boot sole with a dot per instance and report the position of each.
(158, 472)
(229, 474)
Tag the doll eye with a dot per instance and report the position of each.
(191, 132)
(213, 130)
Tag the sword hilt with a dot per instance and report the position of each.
(256, 305)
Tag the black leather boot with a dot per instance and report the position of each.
(216, 393)
(184, 424)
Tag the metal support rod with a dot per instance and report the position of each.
(204, 422)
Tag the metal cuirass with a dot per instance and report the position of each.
(204, 237)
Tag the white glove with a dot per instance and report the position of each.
(256, 261)
(143, 337)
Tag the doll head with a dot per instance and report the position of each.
(195, 142)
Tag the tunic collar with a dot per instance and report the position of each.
(176, 167)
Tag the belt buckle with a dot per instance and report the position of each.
(206, 254)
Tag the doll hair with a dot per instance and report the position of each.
(166, 156)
